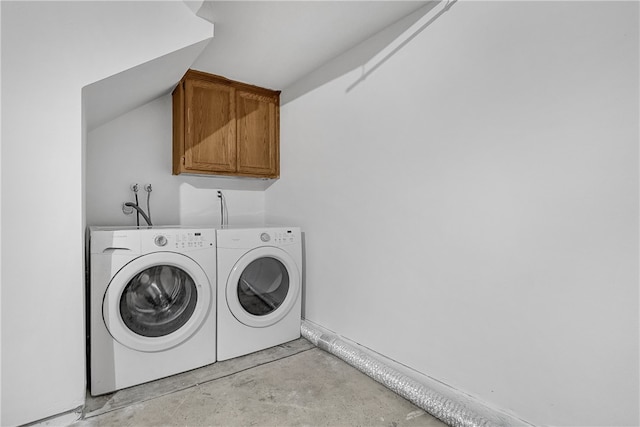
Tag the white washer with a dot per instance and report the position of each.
(259, 288)
(151, 303)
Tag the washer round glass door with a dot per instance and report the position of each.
(263, 287)
(156, 301)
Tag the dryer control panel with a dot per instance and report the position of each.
(256, 237)
(284, 237)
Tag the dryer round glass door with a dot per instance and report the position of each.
(263, 287)
(157, 301)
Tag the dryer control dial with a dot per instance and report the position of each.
(265, 237)
(160, 240)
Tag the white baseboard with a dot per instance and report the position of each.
(453, 406)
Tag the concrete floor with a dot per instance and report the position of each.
(295, 384)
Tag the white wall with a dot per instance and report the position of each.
(136, 148)
(50, 50)
(471, 205)
(0, 219)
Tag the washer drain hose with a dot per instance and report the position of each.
(140, 211)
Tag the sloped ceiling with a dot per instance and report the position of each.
(275, 43)
(106, 99)
(265, 43)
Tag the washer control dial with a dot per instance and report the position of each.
(160, 240)
(265, 237)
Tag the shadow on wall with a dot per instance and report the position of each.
(199, 204)
(106, 99)
(372, 53)
(393, 48)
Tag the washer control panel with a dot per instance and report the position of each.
(161, 240)
(192, 239)
(180, 239)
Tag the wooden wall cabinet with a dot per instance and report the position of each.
(224, 127)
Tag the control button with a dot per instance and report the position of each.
(160, 240)
(265, 237)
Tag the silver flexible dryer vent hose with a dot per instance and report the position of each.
(451, 412)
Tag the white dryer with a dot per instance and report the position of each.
(151, 298)
(259, 288)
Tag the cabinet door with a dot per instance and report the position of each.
(210, 127)
(257, 134)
